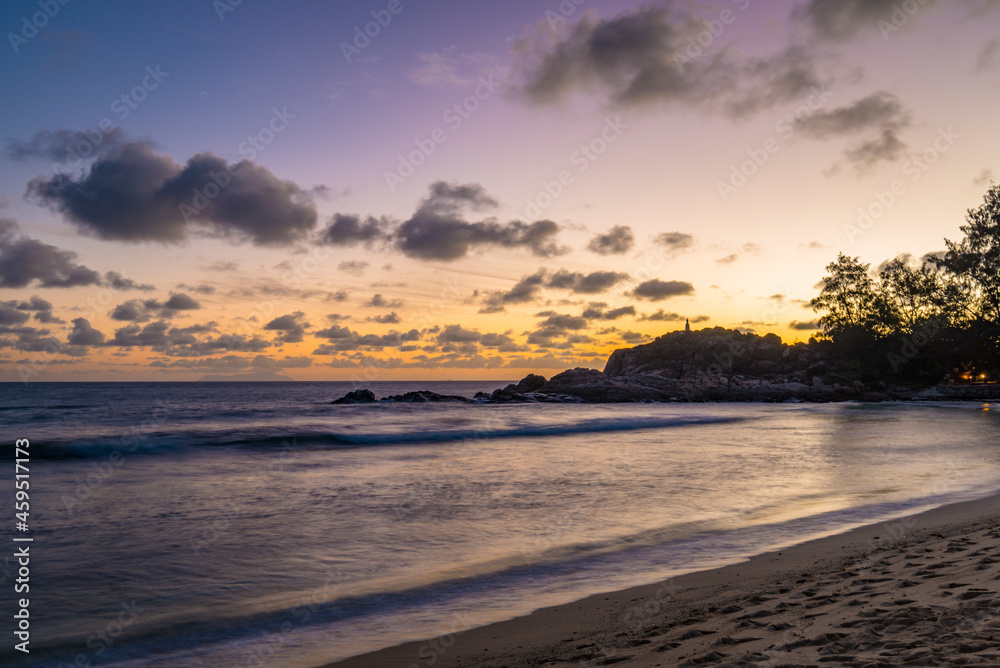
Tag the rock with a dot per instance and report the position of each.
(424, 396)
(356, 397)
(594, 386)
(530, 383)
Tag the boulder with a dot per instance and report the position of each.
(424, 396)
(530, 383)
(356, 397)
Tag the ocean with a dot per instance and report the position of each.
(255, 524)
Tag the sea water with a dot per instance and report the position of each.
(255, 524)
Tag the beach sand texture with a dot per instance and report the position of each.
(917, 591)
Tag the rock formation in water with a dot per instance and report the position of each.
(709, 365)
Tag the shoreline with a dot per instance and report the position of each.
(693, 619)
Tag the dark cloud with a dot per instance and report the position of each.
(633, 338)
(616, 241)
(529, 288)
(558, 326)
(135, 310)
(378, 301)
(153, 334)
(33, 340)
(136, 194)
(343, 339)
(292, 327)
(638, 58)
(880, 115)
(432, 236)
(586, 284)
(841, 20)
(675, 242)
(66, 146)
(185, 341)
(11, 316)
(181, 302)
(338, 296)
(450, 198)
(132, 311)
(84, 335)
(458, 334)
(201, 289)
(116, 281)
(184, 344)
(657, 290)
(353, 266)
(347, 230)
(599, 311)
(387, 319)
(662, 316)
(524, 291)
(440, 230)
(41, 308)
(804, 326)
(24, 260)
(455, 339)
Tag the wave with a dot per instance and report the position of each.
(648, 556)
(279, 437)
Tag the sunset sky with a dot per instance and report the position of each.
(406, 189)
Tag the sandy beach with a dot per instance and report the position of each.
(915, 591)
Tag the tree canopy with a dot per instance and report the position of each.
(923, 317)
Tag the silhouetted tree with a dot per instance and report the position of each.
(856, 317)
(948, 306)
(974, 262)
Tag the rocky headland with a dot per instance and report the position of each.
(709, 365)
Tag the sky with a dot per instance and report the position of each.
(421, 189)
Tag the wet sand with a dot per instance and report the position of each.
(916, 591)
